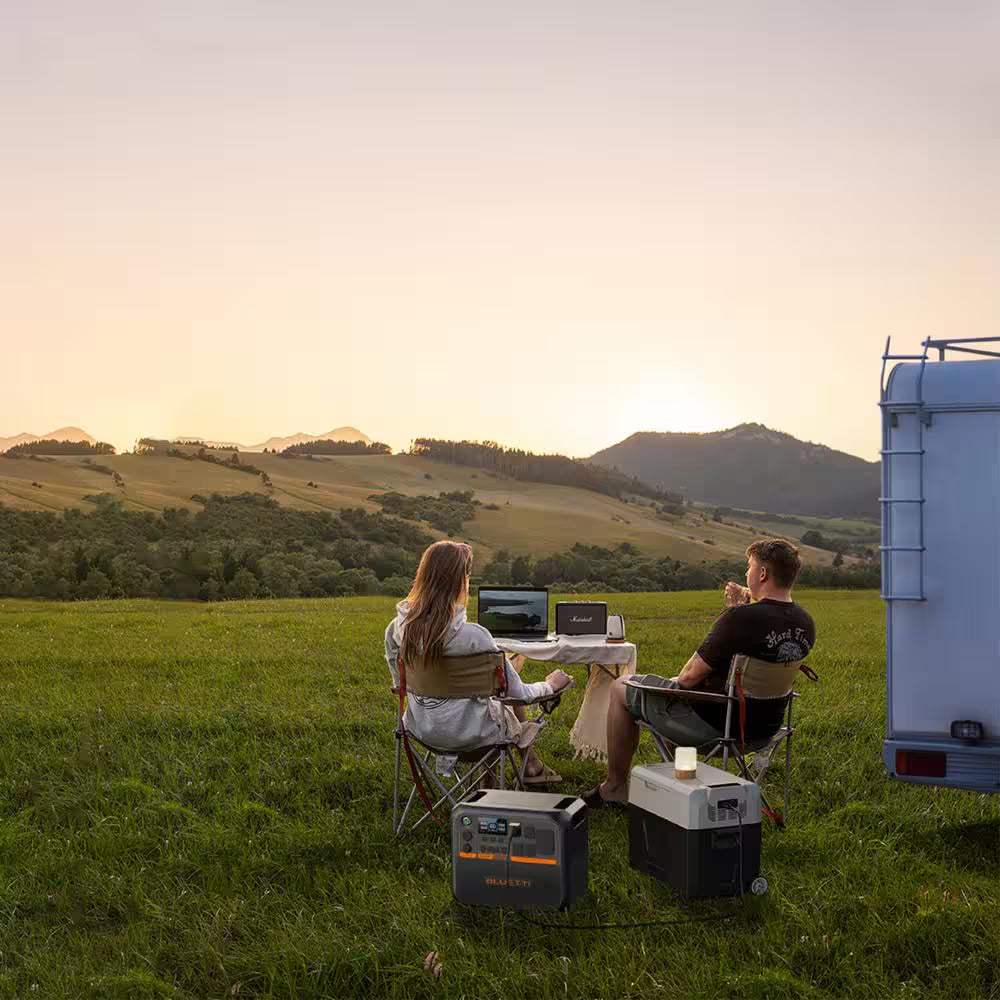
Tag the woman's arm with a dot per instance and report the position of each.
(392, 652)
(519, 691)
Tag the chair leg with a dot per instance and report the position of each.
(788, 772)
(395, 786)
(422, 766)
(519, 772)
(663, 747)
(406, 811)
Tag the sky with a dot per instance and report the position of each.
(548, 224)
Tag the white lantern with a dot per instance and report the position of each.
(686, 762)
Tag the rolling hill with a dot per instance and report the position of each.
(522, 517)
(751, 466)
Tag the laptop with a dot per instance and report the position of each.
(520, 613)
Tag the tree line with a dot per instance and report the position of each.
(50, 446)
(596, 570)
(328, 447)
(248, 546)
(557, 470)
(235, 547)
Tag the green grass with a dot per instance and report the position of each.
(193, 804)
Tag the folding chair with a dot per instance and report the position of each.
(749, 679)
(480, 675)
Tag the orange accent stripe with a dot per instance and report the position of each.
(514, 857)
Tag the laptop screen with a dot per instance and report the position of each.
(510, 611)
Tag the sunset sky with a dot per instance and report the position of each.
(543, 223)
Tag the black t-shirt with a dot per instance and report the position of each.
(775, 631)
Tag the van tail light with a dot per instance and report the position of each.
(921, 763)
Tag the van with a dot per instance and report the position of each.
(941, 563)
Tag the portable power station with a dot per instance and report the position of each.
(520, 850)
(691, 832)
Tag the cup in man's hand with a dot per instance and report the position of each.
(736, 594)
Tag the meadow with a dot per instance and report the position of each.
(193, 804)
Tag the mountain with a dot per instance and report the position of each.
(337, 434)
(62, 434)
(751, 466)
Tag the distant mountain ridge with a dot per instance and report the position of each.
(337, 434)
(61, 434)
(281, 443)
(751, 466)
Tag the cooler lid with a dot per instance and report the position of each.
(708, 777)
(693, 803)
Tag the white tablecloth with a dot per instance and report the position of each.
(589, 736)
(567, 649)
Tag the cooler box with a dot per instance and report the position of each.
(688, 833)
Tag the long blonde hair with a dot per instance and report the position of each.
(440, 586)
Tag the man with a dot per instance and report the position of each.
(761, 620)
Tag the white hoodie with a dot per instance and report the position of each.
(458, 723)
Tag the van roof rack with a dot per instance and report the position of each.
(951, 344)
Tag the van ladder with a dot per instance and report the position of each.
(887, 453)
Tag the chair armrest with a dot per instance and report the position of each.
(547, 702)
(680, 694)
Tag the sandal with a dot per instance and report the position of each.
(546, 776)
(594, 800)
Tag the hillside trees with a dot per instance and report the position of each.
(51, 447)
(524, 465)
(248, 546)
(446, 512)
(327, 447)
(239, 546)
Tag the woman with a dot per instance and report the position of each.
(431, 621)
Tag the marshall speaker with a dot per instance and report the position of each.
(582, 618)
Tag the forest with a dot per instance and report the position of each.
(248, 546)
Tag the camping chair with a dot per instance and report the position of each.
(754, 680)
(441, 775)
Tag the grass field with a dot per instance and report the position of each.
(193, 804)
(530, 517)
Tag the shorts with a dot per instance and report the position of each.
(675, 720)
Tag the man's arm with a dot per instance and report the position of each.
(694, 672)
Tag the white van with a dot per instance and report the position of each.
(941, 563)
